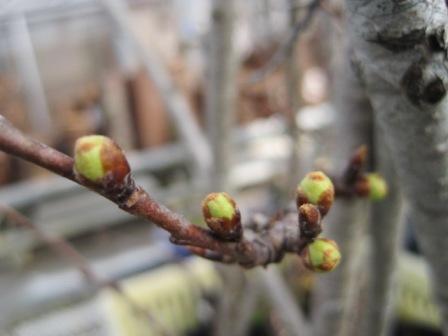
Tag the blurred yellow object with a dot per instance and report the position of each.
(415, 304)
(170, 296)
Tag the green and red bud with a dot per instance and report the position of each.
(321, 255)
(356, 165)
(309, 221)
(98, 157)
(316, 188)
(372, 186)
(222, 216)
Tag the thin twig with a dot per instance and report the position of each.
(335, 14)
(63, 248)
(285, 49)
(211, 255)
(59, 245)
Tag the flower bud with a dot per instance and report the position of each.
(356, 165)
(98, 157)
(321, 255)
(309, 221)
(222, 216)
(372, 186)
(316, 188)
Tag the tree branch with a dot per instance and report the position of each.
(401, 52)
(252, 250)
(16, 143)
(69, 252)
(259, 245)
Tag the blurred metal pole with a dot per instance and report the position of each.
(348, 217)
(283, 301)
(221, 90)
(386, 231)
(175, 102)
(28, 69)
(293, 84)
(220, 104)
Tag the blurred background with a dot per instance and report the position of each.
(203, 95)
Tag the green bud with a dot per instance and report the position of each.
(98, 157)
(321, 255)
(316, 188)
(222, 216)
(221, 205)
(377, 186)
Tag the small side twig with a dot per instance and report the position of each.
(346, 185)
(285, 49)
(69, 252)
(59, 245)
(211, 255)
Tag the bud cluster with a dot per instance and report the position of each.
(100, 164)
(315, 196)
(366, 185)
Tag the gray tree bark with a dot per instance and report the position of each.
(401, 49)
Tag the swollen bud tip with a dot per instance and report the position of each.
(98, 157)
(377, 187)
(321, 255)
(372, 186)
(222, 216)
(316, 188)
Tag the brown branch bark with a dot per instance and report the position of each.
(258, 246)
(253, 249)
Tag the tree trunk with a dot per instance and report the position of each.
(400, 49)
